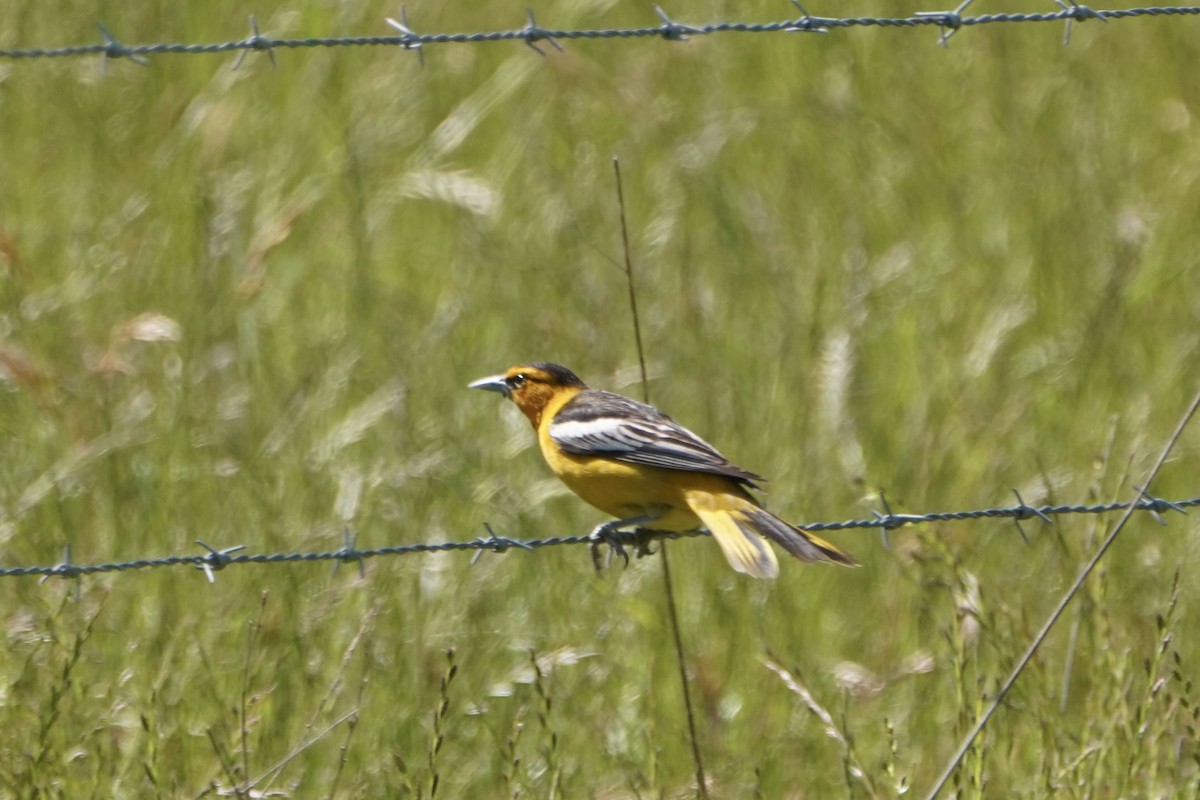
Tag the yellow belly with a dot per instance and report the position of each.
(627, 491)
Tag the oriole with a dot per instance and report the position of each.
(632, 461)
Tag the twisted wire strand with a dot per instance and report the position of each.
(669, 30)
(637, 539)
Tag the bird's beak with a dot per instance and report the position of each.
(492, 383)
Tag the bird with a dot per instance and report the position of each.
(635, 463)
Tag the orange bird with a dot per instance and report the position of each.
(632, 461)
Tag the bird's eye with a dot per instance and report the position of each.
(517, 381)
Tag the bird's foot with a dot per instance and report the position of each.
(643, 545)
(608, 534)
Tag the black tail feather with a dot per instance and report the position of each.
(801, 544)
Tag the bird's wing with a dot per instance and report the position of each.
(598, 423)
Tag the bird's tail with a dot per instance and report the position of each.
(742, 528)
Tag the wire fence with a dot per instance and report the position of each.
(405, 37)
(617, 542)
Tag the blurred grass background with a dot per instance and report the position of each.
(242, 306)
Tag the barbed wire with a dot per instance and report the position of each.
(947, 22)
(639, 540)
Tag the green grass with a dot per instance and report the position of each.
(864, 263)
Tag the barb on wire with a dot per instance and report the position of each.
(671, 30)
(887, 520)
(65, 569)
(408, 39)
(638, 539)
(1074, 11)
(948, 22)
(349, 553)
(806, 24)
(1026, 513)
(535, 34)
(62, 569)
(256, 42)
(114, 49)
(496, 544)
(216, 559)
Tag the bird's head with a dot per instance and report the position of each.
(533, 386)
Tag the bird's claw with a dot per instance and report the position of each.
(608, 534)
(644, 545)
